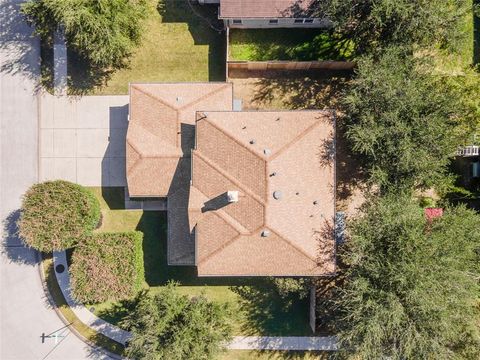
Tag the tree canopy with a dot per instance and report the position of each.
(402, 119)
(169, 325)
(410, 287)
(376, 24)
(56, 215)
(102, 31)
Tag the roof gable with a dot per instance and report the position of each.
(161, 127)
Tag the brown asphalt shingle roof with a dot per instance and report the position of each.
(160, 130)
(264, 8)
(256, 154)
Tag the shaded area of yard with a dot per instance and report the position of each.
(177, 45)
(287, 44)
(259, 308)
(273, 90)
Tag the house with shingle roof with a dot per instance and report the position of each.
(249, 14)
(249, 193)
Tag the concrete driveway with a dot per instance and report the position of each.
(83, 139)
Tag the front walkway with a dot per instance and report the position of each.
(83, 139)
(284, 343)
(305, 343)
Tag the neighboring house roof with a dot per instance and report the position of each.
(259, 154)
(160, 132)
(264, 8)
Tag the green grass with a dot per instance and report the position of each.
(69, 315)
(459, 56)
(177, 46)
(286, 44)
(259, 309)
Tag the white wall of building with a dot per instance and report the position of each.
(277, 23)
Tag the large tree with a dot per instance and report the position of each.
(102, 31)
(402, 119)
(169, 325)
(411, 285)
(374, 24)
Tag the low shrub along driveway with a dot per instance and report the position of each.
(108, 266)
(57, 215)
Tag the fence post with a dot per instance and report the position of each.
(313, 308)
(476, 32)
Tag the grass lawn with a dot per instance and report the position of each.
(286, 44)
(68, 314)
(258, 307)
(459, 57)
(177, 46)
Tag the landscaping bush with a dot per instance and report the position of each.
(108, 267)
(56, 215)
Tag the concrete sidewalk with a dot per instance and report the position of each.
(278, 343)
(284, 343)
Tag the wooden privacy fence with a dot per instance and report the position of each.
(289, 65)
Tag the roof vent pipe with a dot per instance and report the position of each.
(232, 196)
(277, 195)
(252, 141)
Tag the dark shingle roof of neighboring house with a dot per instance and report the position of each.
(265, 8)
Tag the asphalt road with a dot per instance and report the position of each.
(24, 309)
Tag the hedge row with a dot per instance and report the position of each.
(108, 267)
(56, 215)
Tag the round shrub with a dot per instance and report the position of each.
(56, 215)
(108, 266)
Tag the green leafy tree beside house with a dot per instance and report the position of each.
(104, 32)
(169, 325)
(410, 286)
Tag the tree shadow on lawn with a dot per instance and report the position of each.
(83, 76)
(299, 89)
(205, 28)
(263, 310)
(290, 44)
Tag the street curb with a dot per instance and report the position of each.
(41, 271)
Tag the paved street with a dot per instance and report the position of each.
(25, 313)
(83, 139)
